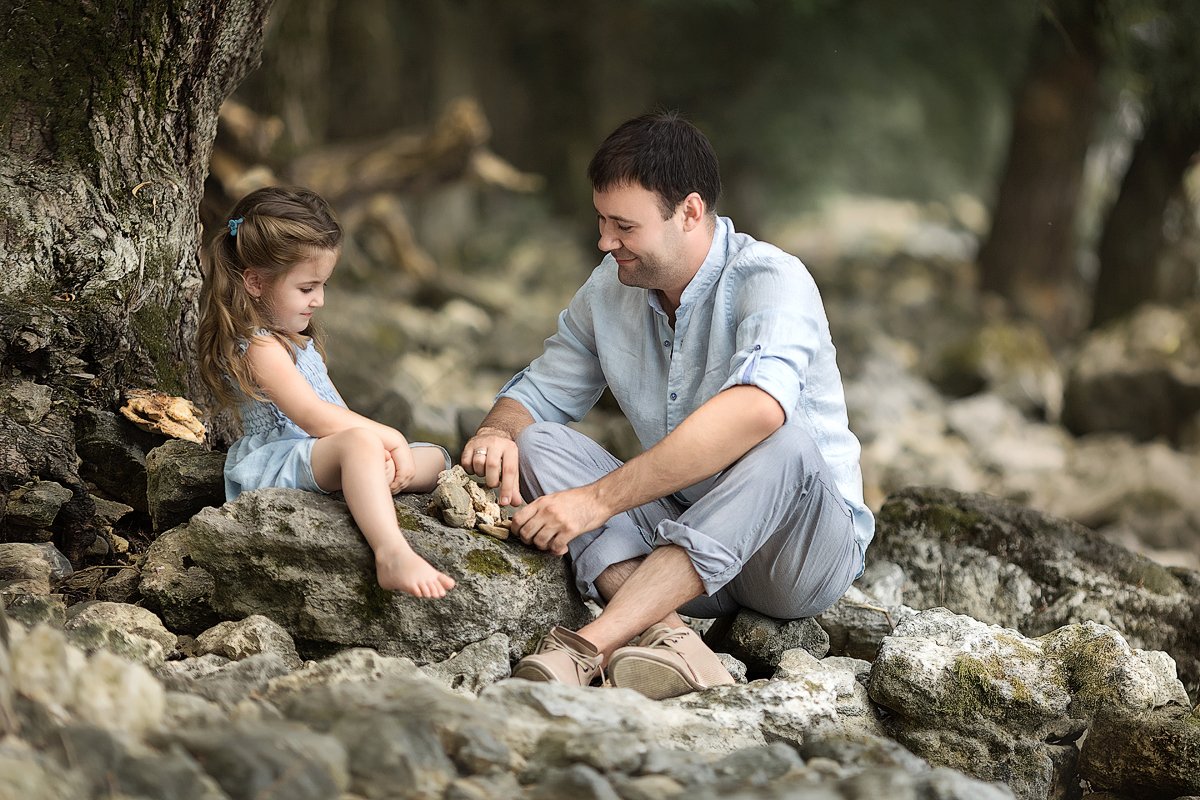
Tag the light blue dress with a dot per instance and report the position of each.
(273, 450)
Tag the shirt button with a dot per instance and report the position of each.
(758, 347)
(673, 395)
(666, 343)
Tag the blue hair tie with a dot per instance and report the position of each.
(233, 225)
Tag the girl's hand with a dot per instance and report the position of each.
(389, 471)
(405, 467)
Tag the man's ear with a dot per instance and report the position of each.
(693, 211)
(253, 281)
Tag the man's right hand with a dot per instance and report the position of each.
(492, 454)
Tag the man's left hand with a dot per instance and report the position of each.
(550, 522)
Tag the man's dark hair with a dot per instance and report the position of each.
(661, 152)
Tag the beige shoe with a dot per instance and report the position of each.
(667, 662)
(562, 656)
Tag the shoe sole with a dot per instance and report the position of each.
(655, 679)
(533, 672)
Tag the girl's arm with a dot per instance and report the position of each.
(275, 373)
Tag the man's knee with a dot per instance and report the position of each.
(542, 437)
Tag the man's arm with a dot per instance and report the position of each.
(492, 451)
(712, 437)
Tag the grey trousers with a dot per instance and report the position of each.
(771, 533)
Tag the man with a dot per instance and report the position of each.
(716, 347)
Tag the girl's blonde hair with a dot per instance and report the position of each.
(271, 229)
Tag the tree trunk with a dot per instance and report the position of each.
(109, 113)
(1029, 256)
(1133, 236)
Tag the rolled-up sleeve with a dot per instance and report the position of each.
(777, 337)
(565, 381)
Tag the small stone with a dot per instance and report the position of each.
(495, 531)
(182, 477)
(31, 568)
(120, 543)
(253, 635)
(121, 627)
(110, 512)
(99, 548)
(478, 666)
(121, 587)
(35, 505)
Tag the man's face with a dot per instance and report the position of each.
(648, 249)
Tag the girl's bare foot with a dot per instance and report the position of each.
(399, 569)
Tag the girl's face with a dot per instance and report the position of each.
(291, 300)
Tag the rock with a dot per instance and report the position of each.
(25, 402)
(882, 580)
(248, 637)
(28, 775)
(182, 477)
(110, 512)
(735, 668)
(759, 641)
(114, 455)
(227, 683)
(478, 666)
(31, 568)
(1016, 567)
(297, 558)
(255, 759)
(100, 689)
(857, 624)
(129, 631)
(958, 689)
(175, 586)
(1143, 754)
(1139, 375)
(859, 751)
(575, 781)
(35, 505)
(34, 609)
(122, 587)
(1011, 360)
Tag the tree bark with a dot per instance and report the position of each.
(1029, 255)
(109, 110)
(1133, 237)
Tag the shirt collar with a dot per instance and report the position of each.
(706, 276)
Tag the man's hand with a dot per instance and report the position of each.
(550, 522)
(492, 455)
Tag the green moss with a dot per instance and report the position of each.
(155, 327)
(948, 522)
(407, 521)
(376, 599)
(1146, 574)
(533, 562)
(983, 683)
(487, 563)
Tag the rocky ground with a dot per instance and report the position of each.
(1005, 640)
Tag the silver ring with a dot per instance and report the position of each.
(482, 451)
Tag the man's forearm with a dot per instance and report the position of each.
(714, 436)
(507, 418)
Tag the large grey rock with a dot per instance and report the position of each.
(857, 624)
(1009, 565)
(994, 704)
(225, 684)
(1140, 375)
(101, 689)
(1144, 754)
(297, 558)
(252, 760)
(182, 478)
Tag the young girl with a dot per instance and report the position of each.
(264, 278)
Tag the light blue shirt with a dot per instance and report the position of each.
(752, 315)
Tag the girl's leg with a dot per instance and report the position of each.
(352, 461)
(430, 462)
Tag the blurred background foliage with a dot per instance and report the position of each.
(1018, 120)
